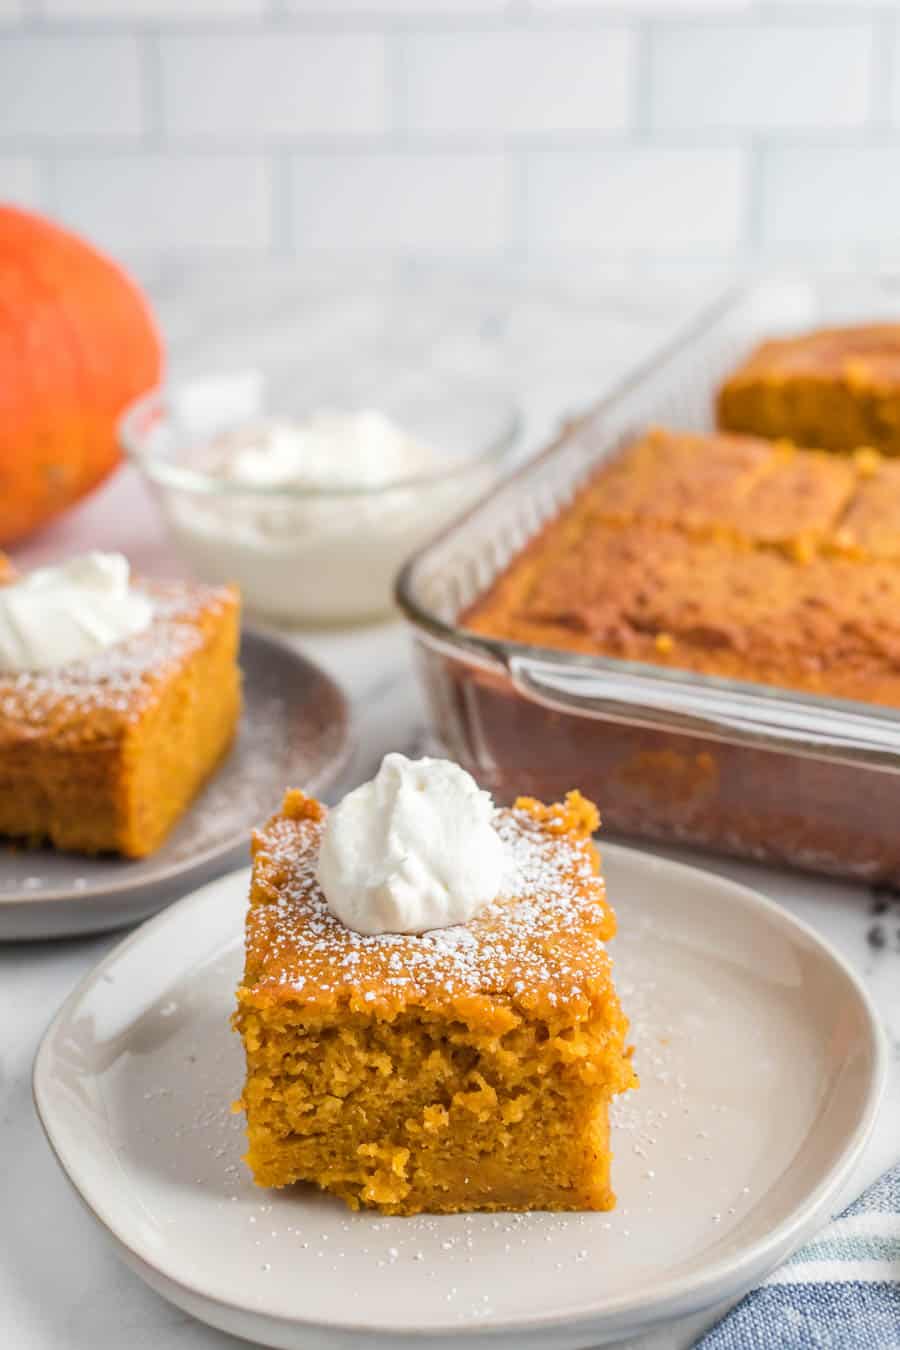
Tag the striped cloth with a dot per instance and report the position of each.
(840, 1291)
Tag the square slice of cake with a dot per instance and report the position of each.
(837, 388)
(754, 491)
(104, 754)
(466, 1068)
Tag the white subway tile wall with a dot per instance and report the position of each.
(635, 197)
(824, 195)
(400, 202)
(167, 203)
(131, 10)
(257, 86)
(511, 83)
(20, 180)
(626, 134)
(61, 89)
(758, 77)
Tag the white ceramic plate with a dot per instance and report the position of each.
(294, 730)
(762, 1065)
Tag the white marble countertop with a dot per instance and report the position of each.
(61, 1286)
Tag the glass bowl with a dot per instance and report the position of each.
(309, 555)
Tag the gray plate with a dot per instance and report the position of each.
(294, 732)
(762, 1064)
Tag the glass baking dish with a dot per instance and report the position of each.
(744, 769)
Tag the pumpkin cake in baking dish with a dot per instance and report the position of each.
(464, 1068)
(724, 555)
(103, 754)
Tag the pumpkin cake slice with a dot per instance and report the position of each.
(837, 388)
(103, 754)
(465, 1068)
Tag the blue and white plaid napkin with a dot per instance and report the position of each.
(842, 1290)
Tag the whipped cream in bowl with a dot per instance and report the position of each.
(413, 850)
(310, 494)
(69, 612)
(327, 450)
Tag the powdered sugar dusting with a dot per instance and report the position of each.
(111, 680)
(293, 729)
(544, 932)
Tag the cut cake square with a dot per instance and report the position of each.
(462, 1069)
(106, 753)
(838, 388)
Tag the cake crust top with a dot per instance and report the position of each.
(539, 946)
(866, 356)
(91, 702)
(728, 556)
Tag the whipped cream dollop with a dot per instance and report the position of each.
(412, 850)
(69, 612)
(335, 450)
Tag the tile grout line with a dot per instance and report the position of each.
(641, 94)
(517, 189)
(282, 204)
(883, 75)
(396, 74)
(150, 67)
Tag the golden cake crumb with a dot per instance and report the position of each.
(466, 1068)
(726, 555)
(837, 388)
(105, 754)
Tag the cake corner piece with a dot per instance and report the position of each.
(465, 1068)
(837, 388)
(103, 755)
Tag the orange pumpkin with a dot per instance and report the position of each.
(77, 344)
